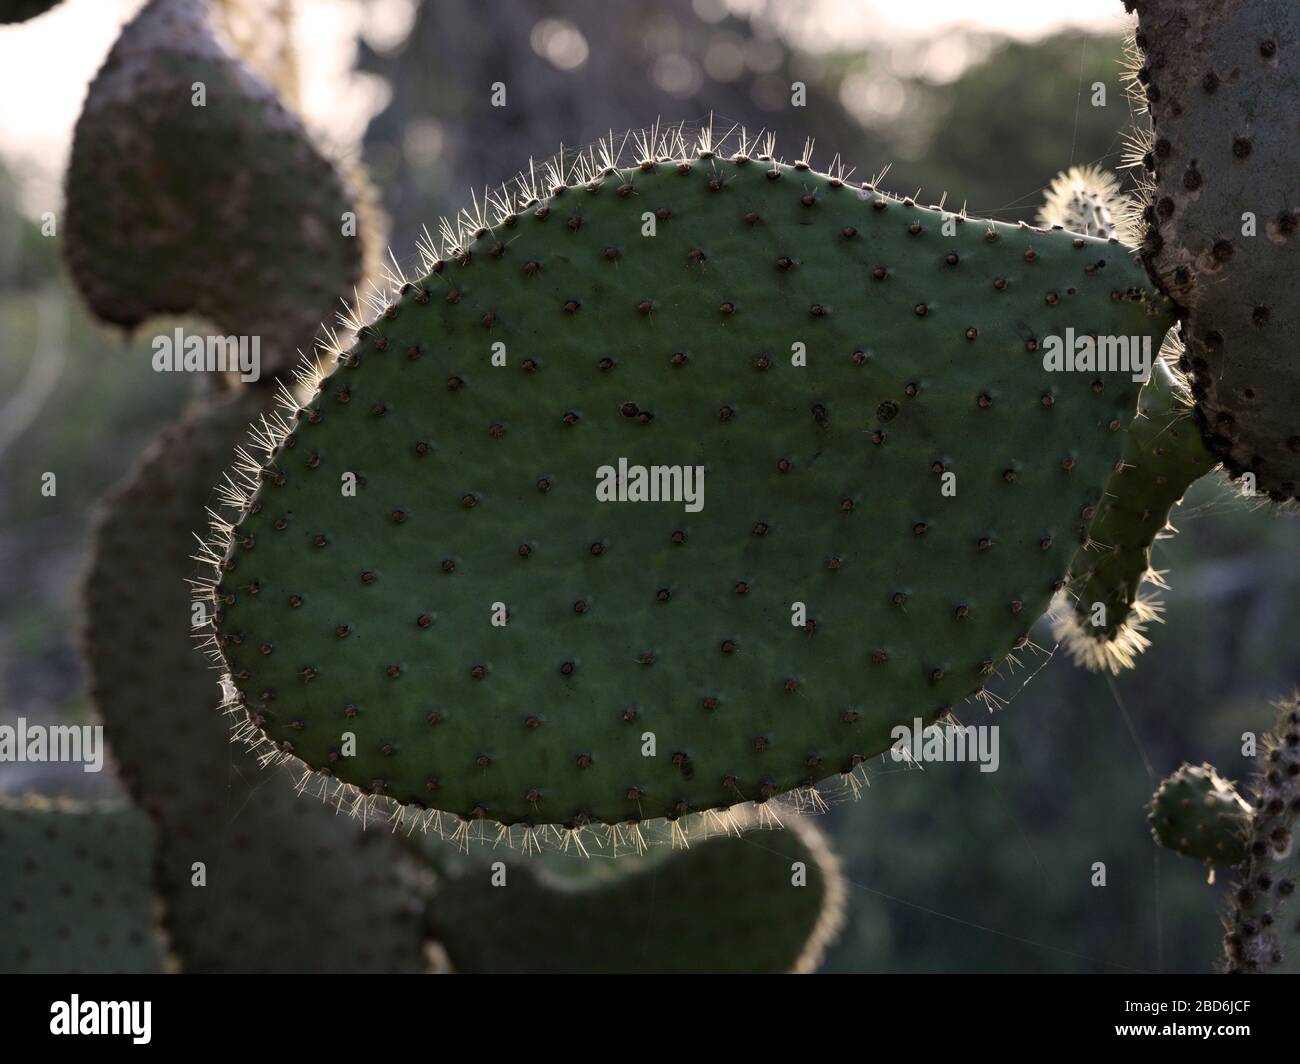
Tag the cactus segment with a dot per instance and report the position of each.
(1164, 454)
(438, 576)
(1199, 814)
(76, 888)
(1221, 80)
(729, 904)
(163, 184)
(1264, 919)
(282, 872)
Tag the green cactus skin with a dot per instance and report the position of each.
(1198, 813)
(1222, 80)
(159, 190)
(76, 889)
(1164, 454)
(726, 905)
(1264, 919)
(12, 11)
(284, 872)
(824, 485)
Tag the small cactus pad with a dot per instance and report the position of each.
(282, 871)
(1222, 82)
(1163, 455)
(76, 891)
(893, 486)
(1264, 917)
(764, 901)
(223, 208)
(1199, 814)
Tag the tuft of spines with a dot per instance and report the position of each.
(1087, 199)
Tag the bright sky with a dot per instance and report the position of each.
(45, 64)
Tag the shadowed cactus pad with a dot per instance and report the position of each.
(76, 891)
(224, 207)
(1200, 814)
(21, 10)
(281, 871)
(766, 901)
(834, 360)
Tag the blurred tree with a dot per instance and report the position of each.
(572, 72)
(28, 259)
(1011, 122)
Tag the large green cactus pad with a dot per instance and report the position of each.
(224, 207)
(281, 873)
(764, 901)
(638, 624)
(76, 891)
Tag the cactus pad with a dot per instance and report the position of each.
(76, 891)
(835, 360)
(283, 872)
(160, 189)
(1199, 814)
(1222, 82)
(1264, 917)
(21, 10)
(727, 905)
(1163, 455)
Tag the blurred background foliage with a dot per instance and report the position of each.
(951, 869)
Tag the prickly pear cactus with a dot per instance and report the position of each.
(1199, 814)
(76, 889)
(762, 901)
(893, 487)
(21, 10)
(255, 876)
(191, 189)
(1264, 919)
(1221, 80)
(1164, 454)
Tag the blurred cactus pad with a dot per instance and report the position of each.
(21, 10)
(75, 888)
(191, 188)
(673, 484)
